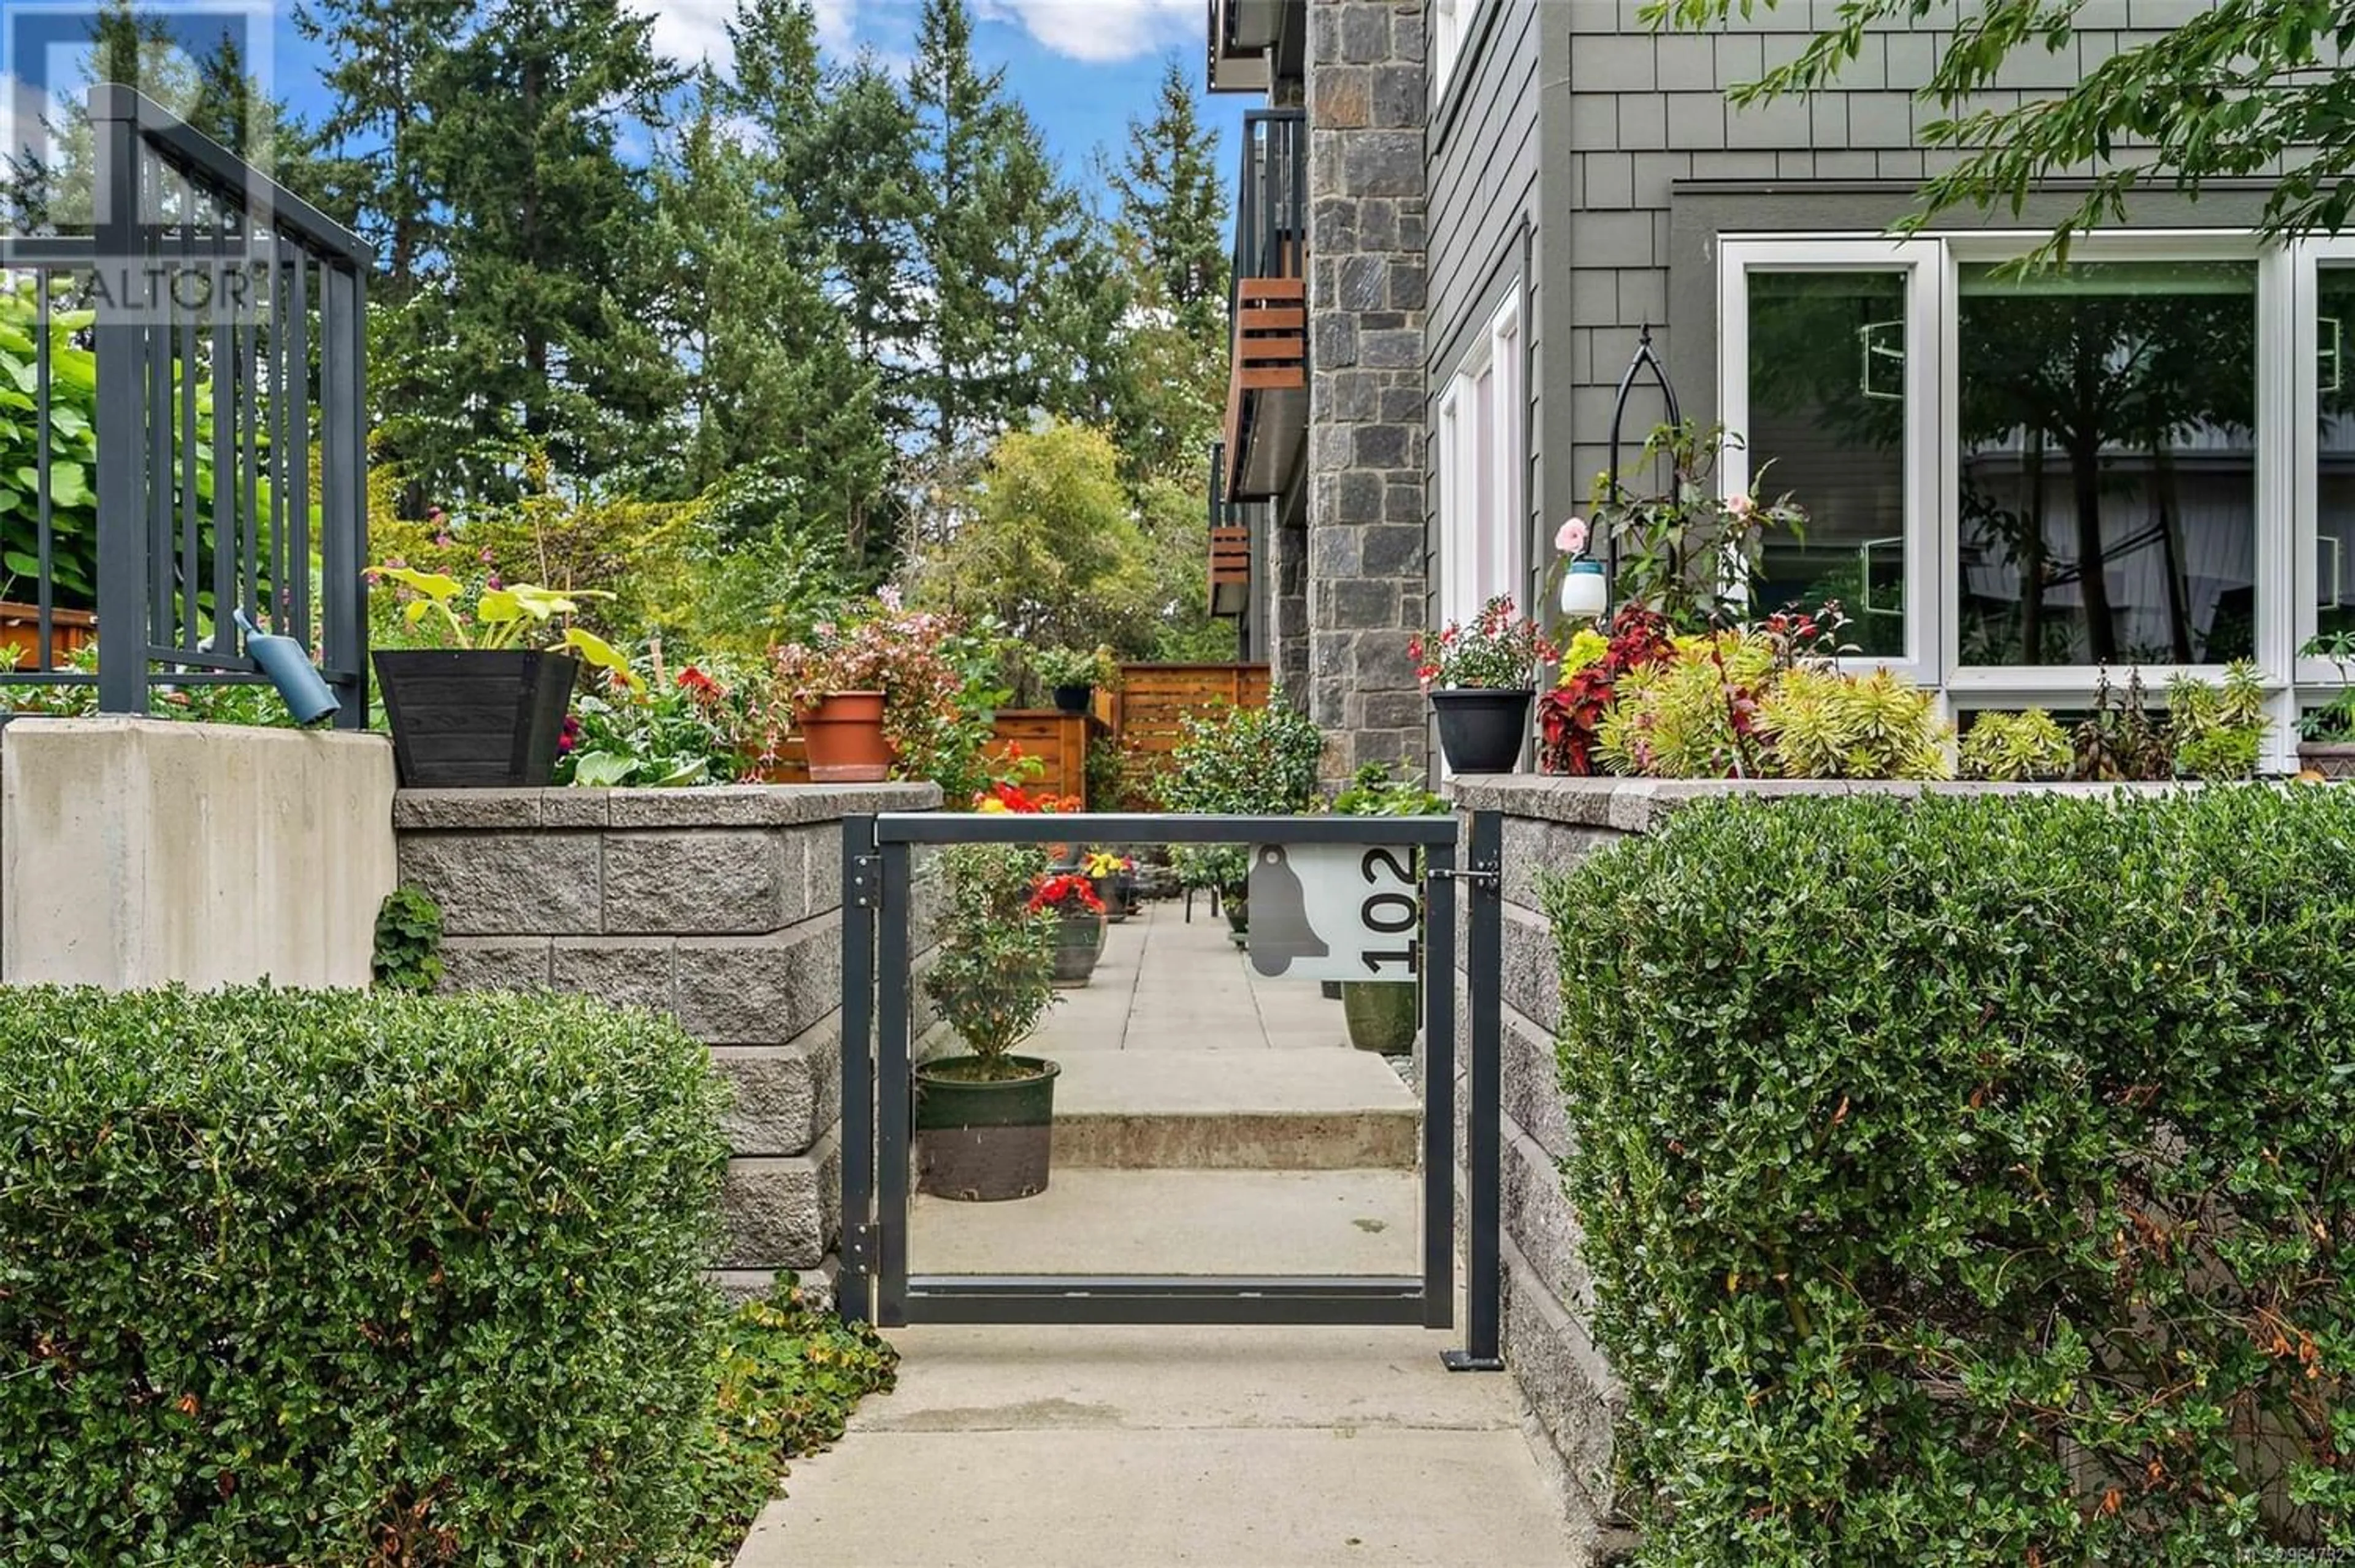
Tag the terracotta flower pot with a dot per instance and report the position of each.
(845, 736)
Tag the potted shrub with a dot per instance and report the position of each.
(984, 1120)
(2325, 737)
(485, 709)
(2218, 732)
(1382, 1015)
(1115, 879)
(1481, 679)
(872, 694)
(1078, 914)
(1072, 675)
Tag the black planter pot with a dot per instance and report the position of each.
(982, 1141)
(1382, 1014)
(475, 718)
(1481, 732)
(1079, 943)
(1074, 698)
(1237, 905)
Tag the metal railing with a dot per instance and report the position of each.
(219, 322)
(1272, 201)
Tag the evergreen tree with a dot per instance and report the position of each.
(1171, 390)
(766, 380)
(546, 272)
(384, 57)
(994, 223)
(863, 194)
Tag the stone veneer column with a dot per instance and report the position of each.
(720, 907)
(1366, 400)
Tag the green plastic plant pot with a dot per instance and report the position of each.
(1381, 1014)
(1078, 941)
(984, 1140)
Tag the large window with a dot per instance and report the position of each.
(2015, 479)
(1481, 465)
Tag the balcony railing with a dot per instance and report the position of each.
(213, 324)
(1231, 543)
(1269, 299)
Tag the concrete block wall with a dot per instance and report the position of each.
(1364, 567)
(722, 907)
(139, 852)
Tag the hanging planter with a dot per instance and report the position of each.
(845, 740)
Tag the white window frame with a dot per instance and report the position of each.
(1926, 464)
(1451, 24)
(1463, 524)
(2286, 444)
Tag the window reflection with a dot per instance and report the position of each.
(2108, 469)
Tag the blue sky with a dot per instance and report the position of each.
(1082, 67)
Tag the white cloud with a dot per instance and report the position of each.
(837, 25)
(1100, 30)
(692, 31)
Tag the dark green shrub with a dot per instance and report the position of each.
(314, 1278)
(1973, 1181)
(408, 956)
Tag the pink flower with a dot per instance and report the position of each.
(1571, 539)
(1741, 505)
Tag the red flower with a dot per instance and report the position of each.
(1055, 892)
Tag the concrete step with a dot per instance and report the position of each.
(1329, 1109)
(1180, 1222)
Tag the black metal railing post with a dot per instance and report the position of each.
(122, 546)
(861, 893)
(1484, 1114)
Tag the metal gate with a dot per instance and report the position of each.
(877, 1118)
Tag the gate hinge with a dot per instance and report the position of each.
(858, 1247)
(867, 882)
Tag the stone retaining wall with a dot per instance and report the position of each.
(1549, 826)
(722, 907)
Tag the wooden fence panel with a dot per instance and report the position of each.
(1059, 740)
(1154, 698)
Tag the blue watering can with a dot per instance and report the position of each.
(289, 670)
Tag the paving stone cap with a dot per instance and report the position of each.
(720, 806)
(1636, 805)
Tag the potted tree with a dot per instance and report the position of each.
(2325, 737)
(1481, 679)
(984, 1120)
(486, 708)
(1078, 914)
(1382, 1014)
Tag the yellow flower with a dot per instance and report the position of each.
(990, 805)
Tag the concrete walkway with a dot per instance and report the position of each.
(1151, 1448)
(1208, 1121)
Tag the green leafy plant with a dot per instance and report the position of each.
(501, 616)
(1240, 762)
(2334, 722)
(935, 673)
(994, 976)
(408, 956)
(1687, 551)
(2119, 740)
(1375, 790)
(1975, 1174)
(2218, 732)
(1824, 723)
(790, 1374)
(695, 728)
(294, 1276)
(1076, 667)
(1499, 651)
(2014, 748)
(1693, 714)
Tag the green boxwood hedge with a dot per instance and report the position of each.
(1973, 1180)
(324, 1278)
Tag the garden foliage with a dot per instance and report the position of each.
(340, 1277)
(1980, 1189)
